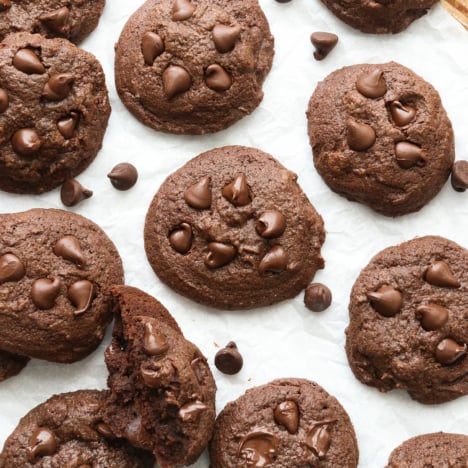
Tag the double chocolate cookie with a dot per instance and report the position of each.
(380, 136)
(11, 364)
(68, 431)
(162, 391)
(55, 267)
(71, 19)
(409, 320)
(193, 67)
(379, 16)
(286, 423)
(232, 229)
(54, 110)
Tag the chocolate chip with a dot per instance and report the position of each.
(408, 155)
(459, 179)
(360, 136)
(270, 224)
(152, 46)
(318, 440)
(372, 84)
(69, 248)
(448, 351)
(105, 431)
(181, 238)
(58, 87)
(219, 254)
(81, 294)
(176, 80)
(237, 192)
(387, 300)
(439, 274)
(135, 432)
(317, 297)
(73, 192)
(154, 342)
(200, 369)
(44, 291)
(182, 10)
(228, 360)
(26, 142)
(157, 374)
(27, 61)
(401, 115)
(199, 194)
(432, 316)
(123, 176)
(68, 124)
(217, 78)
(258, 445)
(42, 443)
(11, 268)
(275, 260)
(4, 101)
(225, 37)
(287, 414)
(191, 410)
(4, 5)
(57, 20)
(324, 43)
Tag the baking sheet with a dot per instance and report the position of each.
(285, 340)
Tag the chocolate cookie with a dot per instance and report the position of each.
(438, 450)
(55, 267)
(162, 391)
(71, 19)
(232, 229)
(53, 112)
(379, 16)
(193, 67)
(68, 431)
(409, 320)
(11, 364)
(285, 423)
(380, 136)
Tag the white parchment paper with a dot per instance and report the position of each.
(285, 340)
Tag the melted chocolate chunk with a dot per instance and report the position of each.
(217, 78)
(408, 155)
(225, 37)
(58, 87)
(372, 84)
(26, 142)
(44, 291)
(401, 115)
(41, 444)
(176, 80)
(191, 410)
(57, 20)
(81, 294)
(237, 192)
(275, 260)
(11, 268)
(439, 274)
(219, 254)
(152, 46)
(270, 224)
(154, 342)
(4, 100)
(182, 10)
(360, 136)
(69, 248)
(448, 351)
(258, 448)
(27, 61)
(287, 414)
(432, 316)
(68, 124)
(387, 300)
(181, 238)
(199, 194)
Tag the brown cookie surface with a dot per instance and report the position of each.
(380, 136)
(54, 110)
(162, 391)
(409, 320)
(287, 422)
(233, 229)
(193, 67)
(68, 430)
(55, 267)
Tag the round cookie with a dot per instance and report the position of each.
(55, 267)
(287, 422)
(54, 110)
(11, 364)
(232, 229)
(438, 450)
(409, 320)
(193, 67)
(379, 16)
(380, 136)
(71, 19)
(162, 390)
(68, 431)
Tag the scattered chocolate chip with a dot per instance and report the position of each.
(219, 254)
(360, 136)
(58, 87)
(200, 369)
(105, 431)
(432, 316)
(182, 10)
(181, 238)
(270, 224)
(154, 342)
(401, 115)
(123, 176)
(448, 351)
(259, 446)
(199, 194)
(68, 124)
(26, 142)
(317, 297)
(135, 432)
(57, 20)
(408, 155)
(27, 61)
(459, 178)
(68, 247)
(217, 78)
(318, 440)
(81, 294)
(4, 101)
(237, 192)
(44, 291)
(176, 80)
(73, 192)
(228, 360)
(287, 414)
(225, 37)
(156, 374)
(387, 300)
(439, 274)
(372, 84)
(4, 5)
(152, 46)
(11, 268)
(275, 260)
(41, 444)
(324, 42)
(191, 410)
